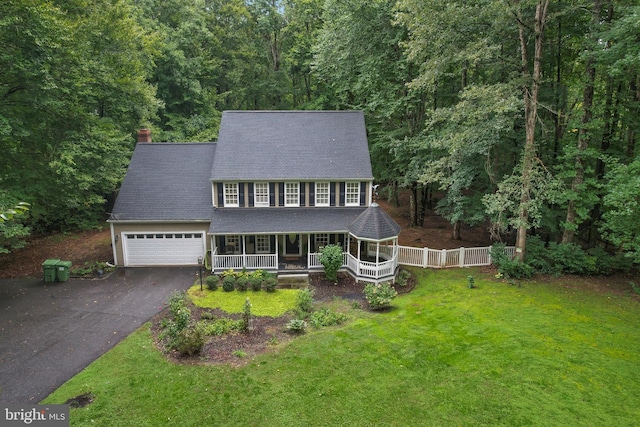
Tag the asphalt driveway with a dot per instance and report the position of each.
(51, 331)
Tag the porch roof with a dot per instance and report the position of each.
(283, 220)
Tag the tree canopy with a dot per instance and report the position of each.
(518, 113)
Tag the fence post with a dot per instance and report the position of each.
(425, 257)
(461, 258)
(443, 258)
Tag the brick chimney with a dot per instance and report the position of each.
(144, 135)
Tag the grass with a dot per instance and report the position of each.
(444, 355)
(263, 303)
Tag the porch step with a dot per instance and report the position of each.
(293, 280)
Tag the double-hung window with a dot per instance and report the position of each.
(322, 240)
(263, 244)
(352, 194)
(292, 194)
(231, 194)
(261, 194)
(322, 194)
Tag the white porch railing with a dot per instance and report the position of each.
(461, 257)
(238, 262)
(362, 269)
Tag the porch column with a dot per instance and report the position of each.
(244, 251)
(308, 251)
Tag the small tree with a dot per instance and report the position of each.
(246, 315)
(331, 259)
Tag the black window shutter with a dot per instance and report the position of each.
(281, 194)
(251, 194)
(332, 194)
(220, 194)
(342, 190)
(363, 193)
(312, 194)
(272, 194)
(332, 239)
(272, 241)
(241, 194)
(302, 195)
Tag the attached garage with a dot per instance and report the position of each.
(162, 248)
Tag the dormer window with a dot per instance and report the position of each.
(292, 194)
(231, 194)
(261, 194)
(322, 194)
(352, 194)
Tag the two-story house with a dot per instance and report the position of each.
(273, 189)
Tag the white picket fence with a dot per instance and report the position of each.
(434, 258)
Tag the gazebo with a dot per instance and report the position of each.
(372, 252)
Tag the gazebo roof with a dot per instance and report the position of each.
(374, 224)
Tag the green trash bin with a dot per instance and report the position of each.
(49, 268)
(62, 270)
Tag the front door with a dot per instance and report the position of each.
(291, 245)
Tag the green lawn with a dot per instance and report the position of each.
(538, 355)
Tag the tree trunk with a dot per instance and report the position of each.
(584, 136)
(455, 235)
(531, 115)
(413, 205)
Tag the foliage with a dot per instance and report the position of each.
(622, 202)
(212, 282)
(228, 283)
(403, 277)
(326, 317)
(242, 283)
(379, 295)
(471, 283)
(179, 332)
(255, 283)
(270, 283)
(508, 267)
(304, 302)
(246, 315)
(90, 268)
(331, 259)
(296, 325)
(220, 325)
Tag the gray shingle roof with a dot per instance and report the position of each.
(283, 145)
(282, 220)
(374, 224)
(167, 182)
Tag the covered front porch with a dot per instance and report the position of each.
(367, 255)
(295, 252)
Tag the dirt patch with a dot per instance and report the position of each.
(79, 248)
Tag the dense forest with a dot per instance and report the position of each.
(522, 114)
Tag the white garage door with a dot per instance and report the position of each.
(162, 248)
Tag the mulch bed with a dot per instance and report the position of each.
(268, 333)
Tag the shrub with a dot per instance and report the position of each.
(304, 301)
(403, 277)
(229, 283)
(270, 282)
(297, 325)
(212, 282)
(570, 258)
(242, 283)
(471, 283)
(331, 258)
(246, 315)
(508, 267)
(379, 295)
(255, 282)
(190, 340)
(326, 317)
(221, 326)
